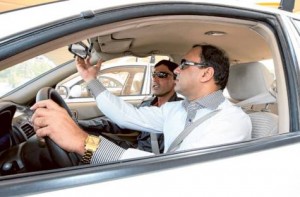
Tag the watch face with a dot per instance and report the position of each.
(91, 140)
(92, 143)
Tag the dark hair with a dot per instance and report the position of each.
(171, 65)
(216, 58)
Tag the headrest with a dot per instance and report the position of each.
(249, 80)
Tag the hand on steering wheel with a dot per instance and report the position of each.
(61, 157)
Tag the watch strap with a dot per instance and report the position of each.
(86, 158)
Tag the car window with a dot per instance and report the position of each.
(124, 76)
(112, 84)
(26, 71)
(297, 24)
(137, 83)
(121, 81)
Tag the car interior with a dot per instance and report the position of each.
(256, 82)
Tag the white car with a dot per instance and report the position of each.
(264, 49)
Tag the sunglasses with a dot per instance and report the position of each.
(185, 63)
(160, 75)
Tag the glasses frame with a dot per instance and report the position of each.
(185, 63)
(160, 74)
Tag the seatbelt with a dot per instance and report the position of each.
(154, 143)
(258, 99)
(263, 98)
(188, 130)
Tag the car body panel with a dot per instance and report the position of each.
(254, 167)
(258, 165)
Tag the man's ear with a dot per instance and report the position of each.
(208, 74)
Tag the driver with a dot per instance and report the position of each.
(201, 77)
(163, 83)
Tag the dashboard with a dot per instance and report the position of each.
(22, 128)
(16, 129)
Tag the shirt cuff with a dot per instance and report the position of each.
(95, 87)
(107, 152)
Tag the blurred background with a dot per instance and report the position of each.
(6, 5)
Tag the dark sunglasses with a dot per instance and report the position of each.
(160, 75)
(185, 63)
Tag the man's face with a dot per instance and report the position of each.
(162, 81)
(187, 79)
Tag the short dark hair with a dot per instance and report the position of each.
(171, 65)
(216, 58)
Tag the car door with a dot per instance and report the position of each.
(251, 168)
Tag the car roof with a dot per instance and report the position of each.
(23, 19)
(140, 36)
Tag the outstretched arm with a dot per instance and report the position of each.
(86, 70)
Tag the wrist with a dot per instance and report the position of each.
(81, 148)
(91, 144)
(89, 79)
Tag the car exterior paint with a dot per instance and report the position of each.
(255, 168)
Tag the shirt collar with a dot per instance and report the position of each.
(172, 98)
(211, 101)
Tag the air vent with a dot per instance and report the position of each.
(28, 130)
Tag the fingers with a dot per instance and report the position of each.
(49, 104)
(41, 132)
(98, 65)
(39, 122)
(45, 111)
(87, 61)
(86, 64)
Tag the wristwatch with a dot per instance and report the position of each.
(91, 144)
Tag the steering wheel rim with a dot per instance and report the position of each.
(60, 157)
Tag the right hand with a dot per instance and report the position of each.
(87, 71)
(49, 119)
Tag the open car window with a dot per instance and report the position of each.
(24, 72)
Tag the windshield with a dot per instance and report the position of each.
(23, 72)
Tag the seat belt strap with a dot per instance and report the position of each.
(258, 99)
(188, 130)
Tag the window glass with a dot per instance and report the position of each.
(297, 24)
(121, 81)
(124, 76)
(23, 72)
(114, 81)
(137, 83)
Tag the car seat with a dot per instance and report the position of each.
(252, 84)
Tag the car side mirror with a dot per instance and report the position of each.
(75, 91)
(80, 49)
(62, 91)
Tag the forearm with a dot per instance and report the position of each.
(110, 152)
(126, 115)
(107, 152)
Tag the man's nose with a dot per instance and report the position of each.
(177, 70)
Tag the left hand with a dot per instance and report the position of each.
(49, 119)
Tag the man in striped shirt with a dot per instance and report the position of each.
(201, 77)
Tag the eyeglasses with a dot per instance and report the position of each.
(185, 63)
(160, 75)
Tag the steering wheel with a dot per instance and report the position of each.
(60, 157)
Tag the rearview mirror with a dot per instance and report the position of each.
(80, 49)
